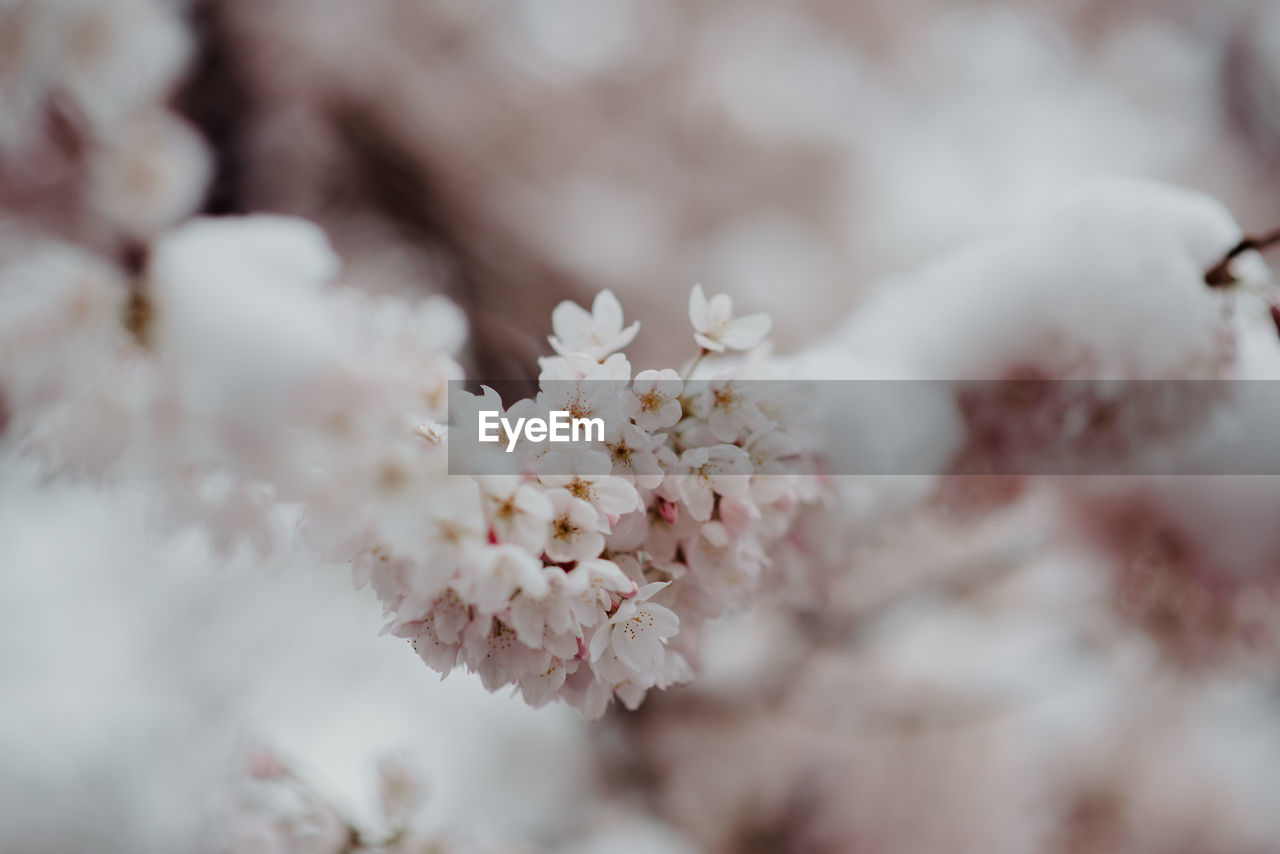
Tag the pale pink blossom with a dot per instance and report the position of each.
(716, 329)
(655, 399)
(637, 633)
(576, 530)
(707, 472)
(596, 334)
(518, 512)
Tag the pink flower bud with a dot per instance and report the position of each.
(668, 511)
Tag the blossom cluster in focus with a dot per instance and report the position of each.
(587, 576)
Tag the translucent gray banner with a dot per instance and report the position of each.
(873, 427)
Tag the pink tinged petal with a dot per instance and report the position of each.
(650, 589)
(617, 496)
(738, 515)
(732, 485)
(528, 627)
(609, 573)
(642, 653)
(591, 546)
(665, 622)
(697, 497)
(600, 641)
(716, 534)
(631, 694)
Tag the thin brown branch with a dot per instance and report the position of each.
(1219, 275)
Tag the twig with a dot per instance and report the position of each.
(688, 371)
(1219, 275)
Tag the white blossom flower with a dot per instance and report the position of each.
(584, 479)
(655, 399)
(498, 574)
(492, 650)
(595, 395)
(667, 526)
(715, 327)
(576, 531)
(637, 633)
(707, 472)
(596, 334)
(586, 693)
(675, 670)
(730, 409)
(440, 655)
(553, 620)
(723, 564)
(578, 366)
(150, 176)
(773, 455)
(603, 581)
(518, 512)
(631, 453)
(541, 687)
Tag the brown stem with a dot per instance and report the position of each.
(1219, 275)
(688, 371)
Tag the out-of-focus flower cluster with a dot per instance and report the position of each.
(227, 373)
(88, 145)
(275, 810)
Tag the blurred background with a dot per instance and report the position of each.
(514, 154)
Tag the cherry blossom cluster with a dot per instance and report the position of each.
(583, 575)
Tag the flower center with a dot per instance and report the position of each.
(506, 510)
(621, 454)
(565, 529)
(652, 400)
(583, 489)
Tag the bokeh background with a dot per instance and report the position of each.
(514, 154)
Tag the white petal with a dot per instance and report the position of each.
(642, 653)
(698, 308)
(746, 332)
(570, 321)
(600, 641)
(665, 621)
(710, 343)
(617, 496)
(719, 309)
(697, 496)
(606, 311)
(624, 337)
(649, 590)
